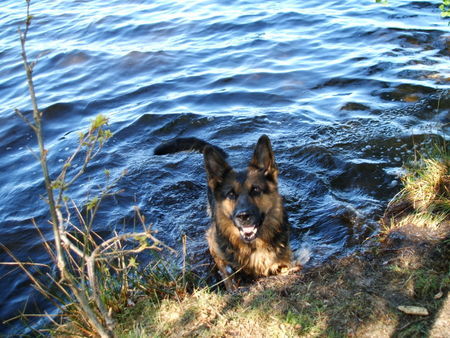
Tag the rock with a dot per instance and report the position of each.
(438, 295)
(414, 310)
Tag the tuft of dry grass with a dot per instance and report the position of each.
(427, 184)
(425, 198)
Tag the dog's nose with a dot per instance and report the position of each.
(243, 216)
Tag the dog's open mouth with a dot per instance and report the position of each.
(248, 233)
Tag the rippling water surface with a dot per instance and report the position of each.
(344, 90)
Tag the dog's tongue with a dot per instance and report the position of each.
(249, 231)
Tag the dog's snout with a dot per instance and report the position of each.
(243, 216)
(246, 217)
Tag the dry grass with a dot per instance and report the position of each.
(427, 184)
(206, 313)
(425, 198)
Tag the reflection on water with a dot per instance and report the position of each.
(345, 90)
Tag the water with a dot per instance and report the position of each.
(345, 90)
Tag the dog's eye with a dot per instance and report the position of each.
(231, 195)
(255, 191)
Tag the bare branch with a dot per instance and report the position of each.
(64, 238)
(36, 156)
(26, 120)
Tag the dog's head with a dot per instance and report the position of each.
(247, 198)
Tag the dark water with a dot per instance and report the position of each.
(345, 90)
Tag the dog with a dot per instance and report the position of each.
(249, 232)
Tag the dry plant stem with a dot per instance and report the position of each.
(112, 241)
(25, 263)
(183, 238)
(148, 231)
(37, 128)
(44, 241)
(65, 239)
(38, 285)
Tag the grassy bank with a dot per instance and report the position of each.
(361, 295)
(355, 296)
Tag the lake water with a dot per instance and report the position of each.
(344, 89)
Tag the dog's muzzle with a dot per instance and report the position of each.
(248, 226)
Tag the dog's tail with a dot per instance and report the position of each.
(186, 144)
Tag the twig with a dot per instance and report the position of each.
(44, 240)
(25, 263)
(183, 239)
(38, 284)
(26, 120)
(147, 229)
(64, 238)
(411, 323)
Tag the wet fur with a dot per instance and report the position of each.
(243, 200)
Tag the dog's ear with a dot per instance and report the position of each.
(216, 166)
(264, 159)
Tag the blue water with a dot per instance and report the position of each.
(345, 91)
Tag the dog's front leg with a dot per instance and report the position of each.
(224, 268)
(230, 283)
(225, 272)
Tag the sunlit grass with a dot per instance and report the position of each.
(426, 184)
(426, 189)
(212, 314)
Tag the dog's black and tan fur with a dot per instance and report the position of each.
(249, 231)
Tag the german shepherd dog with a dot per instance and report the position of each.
(249, 232)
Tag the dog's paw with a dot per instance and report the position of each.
(230, 285)
(296, 268)
(228, 280)
(286, 270)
